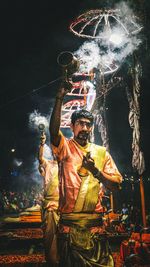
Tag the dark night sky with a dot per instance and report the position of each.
(32, 36)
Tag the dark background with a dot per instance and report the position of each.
(32, 36)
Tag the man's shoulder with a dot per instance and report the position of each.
(64, 137)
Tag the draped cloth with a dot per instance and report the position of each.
(49, 211)
(50, 221)
(75, 252)
(82, 247)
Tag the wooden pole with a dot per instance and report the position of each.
(143, 201)
(111, 201)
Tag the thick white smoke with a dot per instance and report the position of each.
(89, 56)
(35, 119)
(116, 38)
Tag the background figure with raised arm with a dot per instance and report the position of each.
(49, 170)
(85, 169)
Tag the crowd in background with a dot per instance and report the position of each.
(18, 201)
(12, 202)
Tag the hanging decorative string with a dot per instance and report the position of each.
(134, 116)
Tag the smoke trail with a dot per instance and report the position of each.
(30, 172)
(89, 56)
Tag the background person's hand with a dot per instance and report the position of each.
(42, 138)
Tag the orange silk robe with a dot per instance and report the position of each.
(82, 193)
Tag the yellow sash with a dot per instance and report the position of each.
(89, 189)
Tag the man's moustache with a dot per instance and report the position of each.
(83, 135)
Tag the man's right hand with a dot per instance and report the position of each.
(64, 89)
(55, 119)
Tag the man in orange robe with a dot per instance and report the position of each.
(84, 170)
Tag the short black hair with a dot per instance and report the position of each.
(82, 113)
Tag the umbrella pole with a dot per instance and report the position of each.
(111, 201)
(143, 201)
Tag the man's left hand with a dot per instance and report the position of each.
(88, 163)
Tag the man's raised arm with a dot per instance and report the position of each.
(41, 148)
(55, 119)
